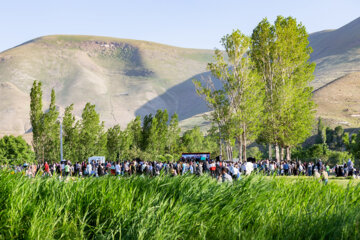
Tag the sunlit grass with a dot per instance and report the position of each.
(185, 207)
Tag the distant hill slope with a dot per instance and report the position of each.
(336, 52)
(339, 101)
(126, 77)
(118, 75)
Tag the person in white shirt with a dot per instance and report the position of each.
(117, 169)
(89, 169)
(249, 167)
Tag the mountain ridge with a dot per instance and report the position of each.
(126, 77)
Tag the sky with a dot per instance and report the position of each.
(186, 23)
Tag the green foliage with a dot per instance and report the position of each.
(321, 151)
(184, 207)
(71, 131)
(45, 126)
(36, 113)
(337, 157)
(15, 151)
(51, 130)
(255, 152)
(237, 108)
(322, 133)
(113, 143)
(192, 140)
(281, 55)
(173, 135)
(92, 137)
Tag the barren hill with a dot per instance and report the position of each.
(120, 76)
(336, 52)
(126, 77)
(339, 101)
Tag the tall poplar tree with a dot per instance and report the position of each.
(51, 129)
(242, 89)
(92, 138)
(71, 129)
(36, 113)
(173, 136)
(242, 86)
(281, 55)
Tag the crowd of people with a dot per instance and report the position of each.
(223, 170)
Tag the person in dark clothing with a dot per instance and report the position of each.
(101, 170)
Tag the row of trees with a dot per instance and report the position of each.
(82, 138)
(156, 138)
(265, 94)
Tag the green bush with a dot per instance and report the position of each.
(337, 157)
(254, 152)
(15, 150)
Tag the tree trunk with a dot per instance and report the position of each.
(277, 153)
(288, 154)
(281, 154)
(220, 143)
(270, 151)
(244, 143)
(240, 148)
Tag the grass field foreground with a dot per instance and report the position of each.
(185, 207)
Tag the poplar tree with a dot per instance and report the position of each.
(92, 138)
(281, 55)
(242, 86)
(36, 113)
(173, 136)
(113, 143)
(242, 90)
(71, 129)
(51, 130)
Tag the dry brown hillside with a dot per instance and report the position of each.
(122, 77)
(339, 101)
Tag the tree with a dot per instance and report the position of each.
(45, 126)
(92, 138)
(136, 132)
(51, 129)
(15, 150)
(242, 86)
(192, 140)
(322, 132)
(36, 114)
(71, 131)
(339, 132)
(173, 135)
(281, 55)
(113, 144)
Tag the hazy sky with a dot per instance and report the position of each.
(187, 23)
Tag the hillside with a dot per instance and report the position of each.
(339, 101)
(125, 78)
(336, 52)
(120, 76)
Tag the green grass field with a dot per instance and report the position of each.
(186, 207)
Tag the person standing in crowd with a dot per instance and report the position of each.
(117, 169)
(350, 167)
(324, 176)
(47, 169)
(67, 169)
(225, 176)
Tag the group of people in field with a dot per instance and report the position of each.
(225, 171)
